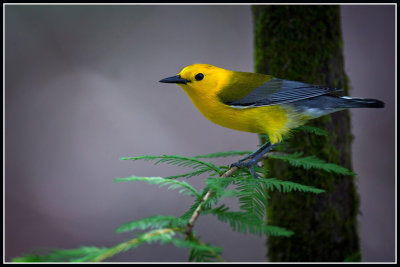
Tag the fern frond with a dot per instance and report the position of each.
(272, 230)
(202, 256)
(252, 197)
(156, 221)
(288, 186)
(224, 154)
(250, 193)
(309, 162)
(199, 251)
(250, 185)
(206, 254)
(245, 222)
(218, 185)
(164, 235)
(62, 255)
(190, 174)
(177, 160)
(187, 243)
(186, 189)
(167, 236)
(311, 129)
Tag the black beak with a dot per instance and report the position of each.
(174, 79)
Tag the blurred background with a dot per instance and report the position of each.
(82, 90)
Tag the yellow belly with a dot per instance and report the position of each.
(274, 121)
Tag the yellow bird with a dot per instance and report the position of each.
(259, 103)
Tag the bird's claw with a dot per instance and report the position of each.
(246, 164)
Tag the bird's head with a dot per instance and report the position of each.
(200, 78)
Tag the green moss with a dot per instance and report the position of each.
(356, 257)
(304, 43)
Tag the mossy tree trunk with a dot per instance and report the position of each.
(304, 43)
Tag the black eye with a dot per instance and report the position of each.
(199, 76)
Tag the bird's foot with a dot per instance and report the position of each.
(252, 159)
(246, 163)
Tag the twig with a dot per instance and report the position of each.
(131, 243)
(231, 171)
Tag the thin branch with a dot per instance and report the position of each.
(230, 172)
(131, 243)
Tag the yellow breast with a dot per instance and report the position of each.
(270, 120)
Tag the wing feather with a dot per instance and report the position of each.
(279, 91)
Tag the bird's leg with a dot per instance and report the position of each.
(253, 158)
(258, 151)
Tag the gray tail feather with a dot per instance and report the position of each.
(354, 102)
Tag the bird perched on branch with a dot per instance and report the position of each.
(259, 103)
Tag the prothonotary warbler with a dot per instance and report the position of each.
(259, 103)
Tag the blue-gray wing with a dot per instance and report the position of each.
(279, 91)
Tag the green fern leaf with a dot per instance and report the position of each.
(203, 255)
(156, 221)
(272, 230)
(252, 198)
(309, 162)
(155, 236)
(199, 251)
(288, 186)
(218, 185)
(190, 174)
(196, 245)
(162, 235)
(224, 154)
(62, 255)
(245, 222)
(172, 184)
(311, 129)
(178, 161)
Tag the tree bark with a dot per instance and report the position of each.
(304, 43)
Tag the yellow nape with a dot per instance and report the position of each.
(216, 84)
